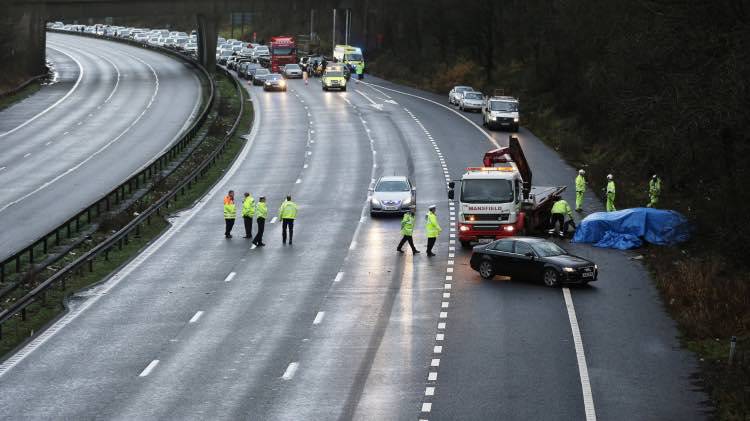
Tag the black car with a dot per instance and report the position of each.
(529, 258)
(274, 82)
(249, 71)
(260, 76)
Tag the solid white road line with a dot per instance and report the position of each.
(149, 368)
(583, 371)
(273, 221)
(338, 277)
(230, 277)
(290, 370)
(195, 317)
(486, 135)
(319, 317)
(75, 86)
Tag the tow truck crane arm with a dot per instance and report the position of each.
(512, 153)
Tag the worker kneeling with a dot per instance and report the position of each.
(557, 221)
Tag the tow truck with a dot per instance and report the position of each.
(498, 199)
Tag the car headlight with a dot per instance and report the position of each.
(596, 267)
(406, 201)
(569, 270)
(464, 228)
(375, 201)
(515, 119)
(508, 228)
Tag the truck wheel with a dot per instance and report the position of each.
(486, 270)
(466, 244)
(550, 277)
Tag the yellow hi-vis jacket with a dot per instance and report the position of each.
(580, 183)
(288, 210)
(262, 210)
(230, 211)
(432, 227)
(562, 207)
(407, 224)
(248, 207)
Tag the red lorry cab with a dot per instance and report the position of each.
(283, 52)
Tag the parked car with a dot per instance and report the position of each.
(532, 259)
(455, 94)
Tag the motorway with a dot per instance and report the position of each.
(340, 325)
(63, 147)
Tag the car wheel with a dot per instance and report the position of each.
(343, 89)
(486, 270)
(550, 277)
(372, 214)
(465, 244)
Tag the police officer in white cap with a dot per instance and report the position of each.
(432, 228)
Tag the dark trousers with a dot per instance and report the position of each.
(248, 220)
(261, 227)
(404, 240)
(558, 219)
(430, 244)
(287, 224)
(230, 224)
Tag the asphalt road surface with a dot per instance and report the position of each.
(340, 325)
(113, 109)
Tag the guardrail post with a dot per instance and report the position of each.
(2, 275)
(78, 223)
(138, 230)
(91, 265)
(68, 229)
(108, 204)
(44, 248)
(88, 215)
(31, 254)
(18, 263)
(23, 314)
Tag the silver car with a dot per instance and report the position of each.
(471, 101)
(292, 71)
(393, 194)
(455, 94)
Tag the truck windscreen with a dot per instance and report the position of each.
(486, 191)
(282, 51)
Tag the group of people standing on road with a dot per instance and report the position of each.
(432, 229)
(259, 211)
(560, 208)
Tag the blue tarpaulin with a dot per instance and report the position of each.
(627, 228)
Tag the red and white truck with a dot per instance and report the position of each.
(283, 52)
(498, 199)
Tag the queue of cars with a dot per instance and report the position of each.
(498, 111)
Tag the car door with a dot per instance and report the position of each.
(525, 261)
(502, 256)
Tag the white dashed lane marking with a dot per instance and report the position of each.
(319, 317)
(230, 277)
(197, 316)
(290, 371)
(149, 368)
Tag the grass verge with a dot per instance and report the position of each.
(30, 89)
(19, 329)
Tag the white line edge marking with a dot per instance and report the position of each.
(75, 86)
(338, 277)
(149, 368)
(290, 370)
(230, 276)
(195, 317)
(583, 371)
(319, 317)
(486, 135)
(117, 277)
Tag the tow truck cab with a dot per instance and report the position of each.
(498, 200)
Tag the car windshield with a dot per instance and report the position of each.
(503, 106)
(262, 72)
(487, 191)
(353, 57)
(292, 67)
(283, 51)
(334, 74)
(226, 53)
(464, 88)
(547, 249)
(392, 186)
(473, 95)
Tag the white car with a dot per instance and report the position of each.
(471, 101)
(455, 94)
